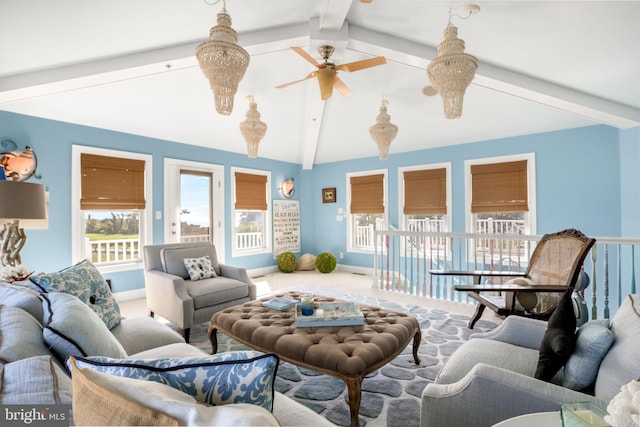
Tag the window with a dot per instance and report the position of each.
(501, 200)
(252, 216)
(111, 207)
(426, 195)
(367, 196)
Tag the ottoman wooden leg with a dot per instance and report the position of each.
(417, 339)
(213, 339)
(354, 388)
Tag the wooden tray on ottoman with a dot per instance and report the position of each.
(330, 314)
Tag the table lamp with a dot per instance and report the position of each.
(21, 204)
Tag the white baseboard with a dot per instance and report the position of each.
(257, 272)
(130, 295)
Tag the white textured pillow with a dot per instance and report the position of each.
(178, 405)
(199, 268)
(73, 329)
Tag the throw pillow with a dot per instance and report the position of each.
(97, 405)
(559, 339)
(230, 377)
(20, 335)
(73, 329)
(84, 281)
(102, 399)
(199, 268)
(35, 380)
(594, 339)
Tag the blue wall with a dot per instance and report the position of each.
(587, 178)
(52, 142)
(577, 183)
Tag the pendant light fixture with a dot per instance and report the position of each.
(223, 61)
(453, 70)
(253, 129)
(383, 131)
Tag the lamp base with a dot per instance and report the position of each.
(13, 239)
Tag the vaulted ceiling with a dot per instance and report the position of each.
(130, 66)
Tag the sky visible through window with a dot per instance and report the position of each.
(193, 197)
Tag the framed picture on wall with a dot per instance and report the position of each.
(329, 195)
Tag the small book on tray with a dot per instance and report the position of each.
(280, 303)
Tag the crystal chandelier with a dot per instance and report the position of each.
(253, 129)
(383, 131)
(453, 70)
(223, 62)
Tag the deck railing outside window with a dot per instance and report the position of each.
(403, 260)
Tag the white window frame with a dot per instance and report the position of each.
(172, 169)
(267, 248)
(78, 240)
(350, 221)
(530, 216)
(402, 170)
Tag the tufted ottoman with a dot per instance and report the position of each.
(347, 352)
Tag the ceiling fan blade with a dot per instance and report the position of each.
(310, 76)
(359, 65)
(305, 55)
(341, 87)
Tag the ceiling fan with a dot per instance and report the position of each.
(327, 71)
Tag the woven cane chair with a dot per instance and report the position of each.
(554, 266)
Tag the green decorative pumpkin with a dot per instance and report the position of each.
(325, 262)
(287, 262)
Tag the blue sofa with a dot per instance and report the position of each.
(32, 371)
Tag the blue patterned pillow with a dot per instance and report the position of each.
(199, 268)
(224, 378)
(85, 282)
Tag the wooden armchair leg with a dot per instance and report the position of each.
(151, 313)
(185, 333)
(477, 315)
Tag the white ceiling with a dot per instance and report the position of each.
(129, 66)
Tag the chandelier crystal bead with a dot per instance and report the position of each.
(452, 72)
(383, 131)
(253, 129)
(223, 62)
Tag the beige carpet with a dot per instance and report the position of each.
(336, 280)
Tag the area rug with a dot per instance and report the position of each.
(390, 395)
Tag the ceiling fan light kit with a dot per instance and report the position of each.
(223, 62)
(327, 71)
(253, 129)
(383, 131)
(453, 70)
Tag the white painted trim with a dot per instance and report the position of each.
(146, 216)
(531, 186)
(268, 220)
(172, 169)
(134, 294)
(385, 184)
(429, 166)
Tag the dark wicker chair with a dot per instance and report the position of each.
(554, 267)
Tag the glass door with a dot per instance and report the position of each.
(193, 203)
(196, 206)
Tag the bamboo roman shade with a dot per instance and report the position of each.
(499, 187)
(111, 183)
(251, 192)
(367, 194)
(425, 192)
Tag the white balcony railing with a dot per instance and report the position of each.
(403, 260)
